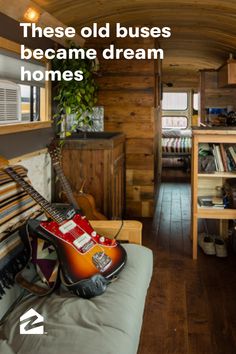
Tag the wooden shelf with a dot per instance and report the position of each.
(23, 127)
(207, 183)
(214, 213)
(218, 174)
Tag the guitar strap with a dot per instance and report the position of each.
(43, 256)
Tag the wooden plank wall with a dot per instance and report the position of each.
(127, 92)
(181, 78)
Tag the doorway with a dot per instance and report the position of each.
(178, 108)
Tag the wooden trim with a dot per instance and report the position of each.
(217, 137)
(18, 159)
(48, 97)
(218, 174)
(131, 231)
(194, 187)
(225, 136)
(202, 98)
(15, 48)
(22, 127)
(9, 45)
(214, 132)
(204, 213)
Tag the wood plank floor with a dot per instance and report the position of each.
(191, 305)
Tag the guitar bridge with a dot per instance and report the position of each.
(101, 261)
(82, 241)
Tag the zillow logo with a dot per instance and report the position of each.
(31, 323)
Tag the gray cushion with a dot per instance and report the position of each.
(176, 133)
(106, 324)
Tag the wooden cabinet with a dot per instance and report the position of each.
(211, 96)
(206, 183)
(99, 158)
(227, 74)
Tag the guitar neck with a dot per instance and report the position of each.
(47, 207)
(65, 185)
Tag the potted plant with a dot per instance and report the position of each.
(75, 99)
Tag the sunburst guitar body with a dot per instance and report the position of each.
(83, 252)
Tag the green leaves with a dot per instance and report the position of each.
(68, 110)
(76, 97)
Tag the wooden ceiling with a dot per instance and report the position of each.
(203, 31)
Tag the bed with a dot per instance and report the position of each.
(177, 144)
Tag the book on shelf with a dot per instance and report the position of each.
(233, 154)
(231, 162)
(218, 158)
(223, 157)
(211, 202)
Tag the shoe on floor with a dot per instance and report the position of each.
(207, 244)
(220, 247)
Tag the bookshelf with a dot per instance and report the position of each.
(204, 184)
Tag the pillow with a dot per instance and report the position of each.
(176, 133)
(171, 133)
(187, 133)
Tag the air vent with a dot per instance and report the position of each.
(9, 102)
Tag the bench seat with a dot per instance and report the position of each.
(107, 324)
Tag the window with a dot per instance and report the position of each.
(174, 122)
(25, 102)
(175, 101)
(176, 110)
(32, 104)
(195, 101)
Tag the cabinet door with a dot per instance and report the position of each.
(227, 74)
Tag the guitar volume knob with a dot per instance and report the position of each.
(102, 239)
(94, 234)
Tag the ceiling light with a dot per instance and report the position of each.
(31, 15)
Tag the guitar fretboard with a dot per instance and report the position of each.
(65, 185)
(53, 212)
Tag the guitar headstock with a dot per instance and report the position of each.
(3, 163)
(54, 151)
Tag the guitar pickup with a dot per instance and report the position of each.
(82, 240)
(87, 246)
(67, 226)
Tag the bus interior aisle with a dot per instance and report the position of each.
(190, 306)
(175, 169)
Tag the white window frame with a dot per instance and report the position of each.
(45, 121)
(181, 113)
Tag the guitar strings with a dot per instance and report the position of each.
(77, 235)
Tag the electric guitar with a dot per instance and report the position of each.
(81, 200)
(88, 260)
